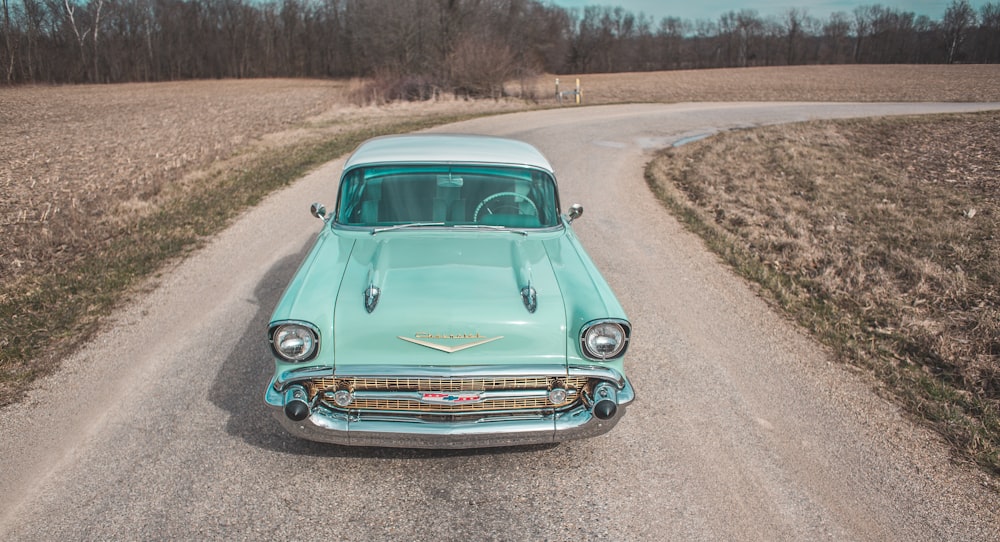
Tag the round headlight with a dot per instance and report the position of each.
(294, 342)
(604, 340)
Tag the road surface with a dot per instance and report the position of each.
(744, 428)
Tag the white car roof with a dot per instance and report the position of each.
(447, 148)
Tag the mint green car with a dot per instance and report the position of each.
(447, 303)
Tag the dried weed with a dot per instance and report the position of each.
(883, 236)
(848, 83)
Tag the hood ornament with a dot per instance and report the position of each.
(373, 292)
(418, 339)
(530, 298)
(371, 297)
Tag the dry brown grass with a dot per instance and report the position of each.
(893, 83)
(882, 236)
(79, 162)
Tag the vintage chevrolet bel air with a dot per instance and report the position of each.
(447, 303)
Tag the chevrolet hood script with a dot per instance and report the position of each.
(476, 338)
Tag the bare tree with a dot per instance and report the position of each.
(987, 46)
(863, 16)
(8, 42)
(958, 19)
(586, 40)
(749, 26)
(706, 48)
(96, 32)
(795, 20)
(480, 68)
(71, 18)
(671, 37)
(835, 46)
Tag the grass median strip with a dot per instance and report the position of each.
(881, 237)
(46, 315)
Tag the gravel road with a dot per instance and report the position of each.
(744, 429)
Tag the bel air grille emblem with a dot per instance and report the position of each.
(451, 398)
(422, 339)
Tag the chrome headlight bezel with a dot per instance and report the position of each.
(596, 333)
(283, 335)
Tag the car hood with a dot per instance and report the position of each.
(443, 300)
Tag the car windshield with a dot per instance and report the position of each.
(448, 195)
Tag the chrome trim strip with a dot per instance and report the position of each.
(453, 228)
(436, 371)
(472, 371)
(282, 380)
(601, 373)
(418, 396)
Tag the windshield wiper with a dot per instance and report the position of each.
(407, 225)
(490, 227)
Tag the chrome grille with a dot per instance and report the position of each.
(574, 386)
(500, 404)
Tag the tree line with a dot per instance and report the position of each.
(416, 47)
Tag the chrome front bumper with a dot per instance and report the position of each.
(415, 430)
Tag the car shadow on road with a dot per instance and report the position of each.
(239, 387)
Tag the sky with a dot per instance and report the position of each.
(711, 9)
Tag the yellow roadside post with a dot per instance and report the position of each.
(577, 93)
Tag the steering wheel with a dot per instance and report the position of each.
(512, 208)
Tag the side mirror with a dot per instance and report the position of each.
(575, 211)
(318, 210)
